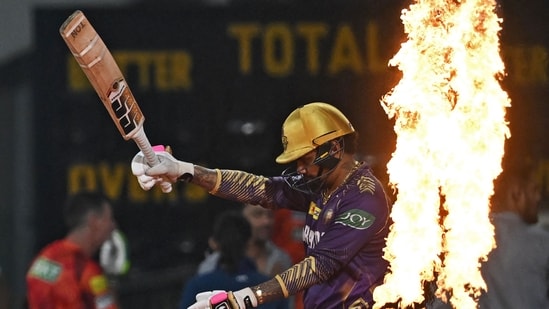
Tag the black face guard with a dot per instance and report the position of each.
(327, 158)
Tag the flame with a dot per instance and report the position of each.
(449, 112)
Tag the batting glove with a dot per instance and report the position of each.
(169, 169)
(242, 299)
(113, 254)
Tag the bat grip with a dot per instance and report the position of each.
(144, 145)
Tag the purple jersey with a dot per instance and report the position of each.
(344, 235)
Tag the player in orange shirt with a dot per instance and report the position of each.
(64, 274)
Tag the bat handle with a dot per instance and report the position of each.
(143, 143)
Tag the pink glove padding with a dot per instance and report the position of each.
(203, 299)
(228, 300)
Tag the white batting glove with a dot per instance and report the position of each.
(113, 254)
(242, 299)
(169, 169)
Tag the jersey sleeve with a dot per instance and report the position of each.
(272, 192)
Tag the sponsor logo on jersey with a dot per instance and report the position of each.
(46, 270)
(314, 210)
(356, 218)
(311, 237)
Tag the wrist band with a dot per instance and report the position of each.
(217, 181)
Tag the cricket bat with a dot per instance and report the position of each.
(105, 76)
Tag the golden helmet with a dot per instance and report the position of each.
(310, 126)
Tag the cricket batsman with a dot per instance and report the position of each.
(347, 211)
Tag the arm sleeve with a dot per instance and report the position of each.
(296, 278)
(270, 193)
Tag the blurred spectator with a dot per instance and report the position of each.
(64, 275)
(517, 270)
(288, 235)
(234, 270)
(267, 256)
(269, 259)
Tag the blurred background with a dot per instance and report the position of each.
(215, 79)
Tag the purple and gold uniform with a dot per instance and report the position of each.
(344, 236)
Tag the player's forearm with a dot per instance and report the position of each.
(233, 185)
(270, 291)
(295, 279)
(205, 177)
(230, 184)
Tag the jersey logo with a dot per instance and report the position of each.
(46, 270)
(328, 216)
(366, 184)
(314, 210)
(356, 218)
(359, 304)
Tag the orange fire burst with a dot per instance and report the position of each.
(449, 112)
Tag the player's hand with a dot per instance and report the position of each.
(242, 299)
(169, 169)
